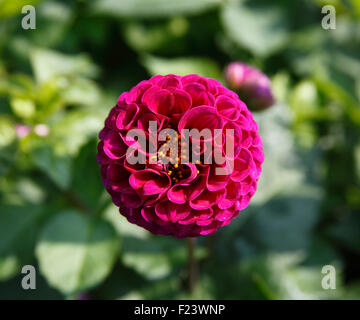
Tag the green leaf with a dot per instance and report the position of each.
(271, 276)
(70, 132)
(151, 257)
(156, 290)
(304, 283)
(9, 266)
(81, 91)
(282, 168)
(142, 38)
(18, 227)
(340, 87)
(286, 207)
(357, 160)
(23, 108)
(351, 292)
(12, 290)
(58, 168)
(88, 189)
(152, 8)
(76, 252)
(30, 190)
(347, 231)
(122, 281)
(123, 227)
(7, 157)
(155, 257)
(181, 66)
(48, 64)
(53, 22)
(260, 29)
(285, 223)
(305, 97)
(7, 131)
(13, 7)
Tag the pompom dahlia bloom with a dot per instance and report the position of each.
(183, 197)
(251, 84)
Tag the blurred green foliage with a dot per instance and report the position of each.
(69, 72)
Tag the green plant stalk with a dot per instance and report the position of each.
(193, 267)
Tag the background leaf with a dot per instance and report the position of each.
(76, 252)
(10, 8)
(57, 167)
(182, 66)
(258, 28)
(47, 64)
(152, 8)
(18, 227)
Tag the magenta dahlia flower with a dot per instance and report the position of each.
(187, 195)
(251, 84)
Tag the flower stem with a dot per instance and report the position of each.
(192, 264)
(210, 245)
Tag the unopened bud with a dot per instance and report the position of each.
(252, 86)
(22, 130)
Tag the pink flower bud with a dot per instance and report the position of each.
(22, 130)
(42, 130)
(252, 86)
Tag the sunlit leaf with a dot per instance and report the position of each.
(152, 8)
(23, 108)
(181, 66)
(76, 252)
(13, 7)
(260, 29)
(7, 131)
(152, 257)
(70, 132)
(47, 64)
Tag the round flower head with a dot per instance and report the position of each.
(181, 184)
(251, 84)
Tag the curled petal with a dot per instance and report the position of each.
(205, 214)
(180, 193)
(127, 116)
(136, 93)
(114, 146)
(200, 118)
(143, 122)
(243, 166)
(209, 229)
(131, 199)
(182, 102)
(199, 94)
(216, 181)
(206, 199)
(159, 101)
(169, 211)
(168, 82)
(110, 122)
(118, 177)
(149, 182)
(223, 215)
(230, 197)
(227, 107)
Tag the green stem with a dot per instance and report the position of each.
(192, 264)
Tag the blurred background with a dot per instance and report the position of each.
(59, 81)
